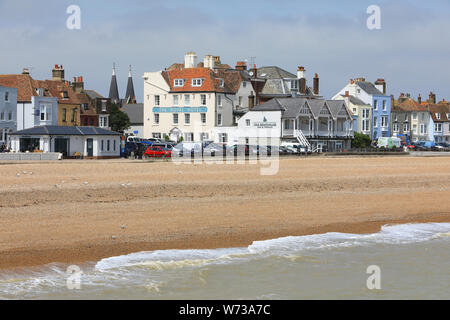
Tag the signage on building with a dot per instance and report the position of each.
(265, 124)
(180, 109)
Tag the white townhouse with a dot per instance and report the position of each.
(315, 123)
(189, 100)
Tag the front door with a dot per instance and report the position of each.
(90, 147)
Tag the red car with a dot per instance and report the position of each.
(157, 152)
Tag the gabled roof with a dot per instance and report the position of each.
(273, 72)
(408, 105)
(441, 109)
(369, 88)
(356, 101)
(336, 106)
(23, 83)
(66, 131)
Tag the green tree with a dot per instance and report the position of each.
(361, 141)
(118, 120)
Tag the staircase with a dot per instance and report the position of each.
(302, 139)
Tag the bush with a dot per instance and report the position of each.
(361, 141)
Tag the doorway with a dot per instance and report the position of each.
(62, 146)
(90, 147)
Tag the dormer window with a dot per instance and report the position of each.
(221, 82)
(64, 94)
(197, 82)
(294, 85)
(438, 116)
(178, 82)
(39, 92)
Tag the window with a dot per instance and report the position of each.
(10, 116)
(204, 136)
(244, 84)
(438, 116)
(294, 84)
(203, 117)
(187, 99)
(384, 105)
(156, 118)
(406, 117)
(395, 127)
(86, 106)
(114, 145)
(175, 100)
(423, 116)
(175, 118)
(6, 96)
(46, 112)
(221, 82)
(74, 111)
(423, 128)
(102, 145)
(287, 124)
(157, 100)
(2, 115)
(395, 117)
(107, 145)
(187, 118)
(91, 121)
(85, 121)
(384, 122)
(438, 127)
(197, 82)
(189, 136)
(178, 82)
(414, 116)
(103, 106)
(415, 128)
(64, 115)
(103, 121)
(375, 105)
(240, 101)
(156, 135)
(354, 110)
(247, 122)
(366, 113)
(219, 100)
(375, 122)
(365, 125)
(223, 137)
(405, 127)
(219, 119)
(203, 99)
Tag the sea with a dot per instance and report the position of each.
(409, 261)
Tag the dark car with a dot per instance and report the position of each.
(131, 147)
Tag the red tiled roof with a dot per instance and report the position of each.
(23, 83)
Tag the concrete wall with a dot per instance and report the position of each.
(30, 156)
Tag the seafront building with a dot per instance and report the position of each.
(323, 125)
(8, 113)
(375, 95)
(361, 113)
(187, 101)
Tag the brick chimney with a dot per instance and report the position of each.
(251, 101)
(241, 65)
(78, 84)
(58, 73)
(380, 84)
(432, 98)
(419, 99)
(316, 84)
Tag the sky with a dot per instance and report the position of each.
(411, 50)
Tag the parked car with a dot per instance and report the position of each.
(442, 146)
(185, 149)
(157, 152)
(285, 150)
(131, 147)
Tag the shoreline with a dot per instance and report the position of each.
(52, 215)
(11, 261)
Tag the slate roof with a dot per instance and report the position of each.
(369, 87)
(129, 95)
(273, 72)
(66, 131)
(290, 107)
(440, 109)
(94, 94)
(356, 101)
(135, 112)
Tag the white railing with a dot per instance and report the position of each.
(302, 139)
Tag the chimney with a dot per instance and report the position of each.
(316, 84)
(190, 60)
(302, 85)
(78, 84)
(347, 94)
(26, 71)
(432, 98)
(352, 81)
(208, 61)
(380, 84)
(254, 71)
(419, 99)
(58, 73)
(251, 101)
(241, 65)
(217, 61)
(301, 73)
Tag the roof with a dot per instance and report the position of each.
(273, 72)
(441, 109)
(135, 112)
(408, 105)
(66, 131)
(23, 83)
(356, 101)
(369, 87)
(277, 81)
(290, 107)
(94, 94)
(211, 79)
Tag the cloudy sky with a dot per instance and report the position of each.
(411, 50)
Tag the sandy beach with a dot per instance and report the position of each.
(76, 211)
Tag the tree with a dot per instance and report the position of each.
(118, 119)
(361, 141)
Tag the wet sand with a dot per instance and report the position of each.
(76, 211)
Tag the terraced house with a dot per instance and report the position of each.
(189, 100)
(375, 95)
(8, 113)
(361, 113)
(440, 113)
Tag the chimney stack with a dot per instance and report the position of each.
(316, 84)
(208, 61)
(301, 73)
(419, 99)
(26, 71)
(380, 84)
(251, 101)
(241, 65)
(432, 98)
(58, 73)
(190, 60)
(302, 85)
(78, 84)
